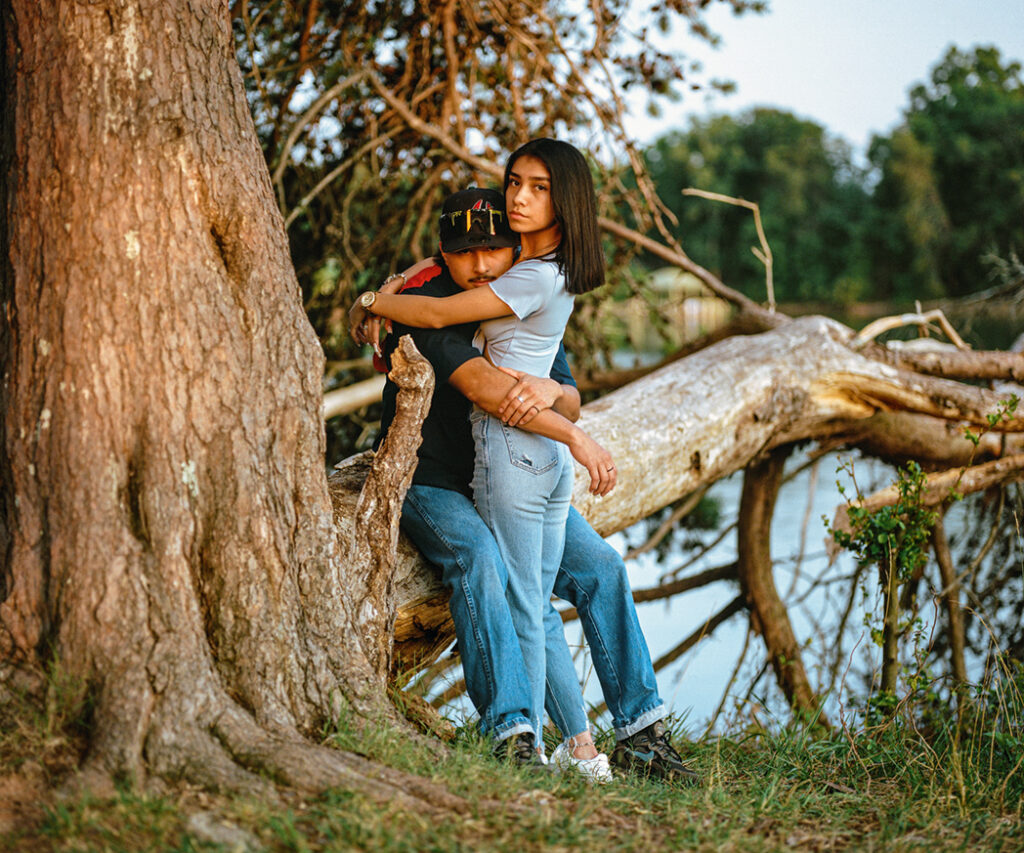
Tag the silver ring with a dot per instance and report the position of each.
(520, 399)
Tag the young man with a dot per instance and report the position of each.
(439, 517)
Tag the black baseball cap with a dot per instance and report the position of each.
(475, 218)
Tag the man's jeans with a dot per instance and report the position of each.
(522, 485)
(447, 529)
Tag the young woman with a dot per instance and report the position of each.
(522, 482)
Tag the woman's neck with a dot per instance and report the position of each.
(537, 244)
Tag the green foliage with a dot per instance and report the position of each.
(897, 533)
(1003, 413)
(907, 222)
(895, 538)
(951, 185)
(810, 194)
(943, 195)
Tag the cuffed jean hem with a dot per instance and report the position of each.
(642, 722)
(510, 728)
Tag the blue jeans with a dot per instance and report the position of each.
(522, 485)
(449, 532)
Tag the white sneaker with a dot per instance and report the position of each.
(594, 769)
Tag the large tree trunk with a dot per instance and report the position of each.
(165, 523)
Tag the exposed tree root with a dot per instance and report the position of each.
(768, 614)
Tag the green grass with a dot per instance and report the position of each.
(925, 779)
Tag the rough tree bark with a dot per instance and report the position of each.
(165, 525)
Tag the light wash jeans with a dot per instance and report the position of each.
(522, 485)
(449, 532)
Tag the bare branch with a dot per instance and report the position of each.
(666, 526)
(341, 401)
(335, 173)
(420, 126)
(886, 324)
(735, 606)
(303, 120)
(766, 319)
(764, 254)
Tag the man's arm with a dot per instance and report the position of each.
(494, 388)
(568, 403)
(487, 387)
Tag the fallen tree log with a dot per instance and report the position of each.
(700, 419)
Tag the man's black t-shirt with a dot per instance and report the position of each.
(446, 454)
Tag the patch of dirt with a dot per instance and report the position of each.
(22, 797)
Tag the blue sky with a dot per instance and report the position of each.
(846, 64)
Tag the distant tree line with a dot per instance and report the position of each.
(940, 196)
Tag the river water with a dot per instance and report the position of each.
(816, 589)
(693, 685)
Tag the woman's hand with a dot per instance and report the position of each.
(364, 326)
(596, 460)
(527, 398)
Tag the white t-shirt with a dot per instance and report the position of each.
(528, 338)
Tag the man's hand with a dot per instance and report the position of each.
(527, 398)
(365, 327)
(596, 460)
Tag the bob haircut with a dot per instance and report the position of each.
(579, 254)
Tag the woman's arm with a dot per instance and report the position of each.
(584, 449)
(434, 312)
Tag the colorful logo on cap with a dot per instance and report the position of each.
(481, 206)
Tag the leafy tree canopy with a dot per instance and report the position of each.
(952, 178)
(809, 191)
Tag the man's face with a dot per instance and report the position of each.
(474, 267)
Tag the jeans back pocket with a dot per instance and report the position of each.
(528, 451)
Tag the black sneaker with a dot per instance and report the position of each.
(519, 751)
(648, 753)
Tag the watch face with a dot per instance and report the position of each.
(367, 299)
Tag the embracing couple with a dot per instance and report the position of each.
(490, 499)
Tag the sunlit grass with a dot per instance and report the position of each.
(927, 778)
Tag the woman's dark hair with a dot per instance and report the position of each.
(579, 254)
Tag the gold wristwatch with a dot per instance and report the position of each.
(367, 299)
